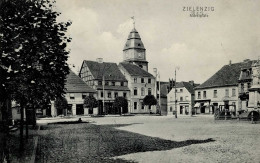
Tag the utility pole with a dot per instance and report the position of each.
(103, 83)
(175, 95)
(157, 74)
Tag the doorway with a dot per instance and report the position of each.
(181, 109)
(79, 109)
(202, 109)
(215, 106)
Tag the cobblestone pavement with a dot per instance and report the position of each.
(234, 141)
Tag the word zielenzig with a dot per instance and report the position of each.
(198, 8)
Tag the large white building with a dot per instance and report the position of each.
(140, 83)
(220, 90)
(98, 73)
(184, 98)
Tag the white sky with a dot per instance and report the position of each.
(199, 46)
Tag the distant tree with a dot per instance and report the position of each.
(90, 102)
(33, 53)
(149, 100)
(61, 104)
(121, 104)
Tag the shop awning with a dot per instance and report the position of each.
(206, 104)
(197, 105)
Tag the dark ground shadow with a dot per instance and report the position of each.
(98, 143)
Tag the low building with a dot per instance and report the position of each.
(141, 83)
(107, 80)
(220, 90)
(76, 91)
(184, 103)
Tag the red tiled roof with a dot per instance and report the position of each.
(135, 70)
(110, 71)
(75, 84)
(228, 75)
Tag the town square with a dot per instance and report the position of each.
(129, 81)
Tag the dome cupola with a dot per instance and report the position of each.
(134, 41)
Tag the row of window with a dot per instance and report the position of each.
(215, 93)
(181, 90)
(109, 94)
(142, 91)
(72, 95)
(143, 80)
(181, 98)
(186, 98)
(110, 83)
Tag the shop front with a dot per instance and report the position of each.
(203, 107)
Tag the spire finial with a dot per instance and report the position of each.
(133, 20)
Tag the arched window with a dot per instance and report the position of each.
(142, 91)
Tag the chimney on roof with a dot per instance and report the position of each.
(191, 82)
(230, 62)
(100, 60)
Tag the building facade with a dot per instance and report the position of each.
(244, 84)
(209, 99)
(184, 98)
(76, 91)
(108, 81)
(221, 90)
(140, 83)
(254, 90)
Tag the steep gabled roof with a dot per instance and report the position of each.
(109, 70)
(228, 75)
(76, 85)
(187, 85)
(135, 70)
